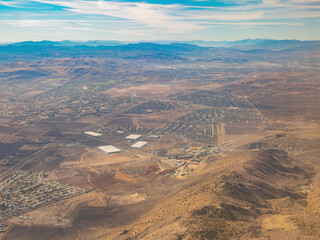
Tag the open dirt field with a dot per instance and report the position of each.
(243, 180)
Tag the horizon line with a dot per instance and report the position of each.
(150, 41)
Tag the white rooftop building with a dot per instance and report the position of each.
(139, 144)
(109, 149)
(133, 137)
(93, 134)
(154, 136)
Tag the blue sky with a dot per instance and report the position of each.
(132, 20)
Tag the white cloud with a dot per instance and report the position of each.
(127, 32)
(152, 15)
(11, 3)
(168, 19)
(30, 23)
(172, 17)
(53, 23)
(216, 15)
(250, 23)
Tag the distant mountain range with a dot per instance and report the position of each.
(250, 44)
(163, 51)
(68, 43)
(246, 44)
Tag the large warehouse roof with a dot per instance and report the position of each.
(154, 136)
(110, 149)
(139, 144)
(94, 134)
(133, 137)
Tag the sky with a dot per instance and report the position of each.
(151, 20)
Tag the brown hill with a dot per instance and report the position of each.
(228, 200)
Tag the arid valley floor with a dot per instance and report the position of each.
(233, 147)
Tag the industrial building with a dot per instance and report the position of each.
(93, 134)
(133, 137)
(109, 149)
(139, 144)
(154, 136)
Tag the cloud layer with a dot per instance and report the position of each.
(168, 19)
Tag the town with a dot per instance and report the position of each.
(23, 191)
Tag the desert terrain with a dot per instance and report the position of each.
(231, 147)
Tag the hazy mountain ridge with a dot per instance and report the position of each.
(245, 44)
(241, 51)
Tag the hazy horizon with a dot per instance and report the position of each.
(157, 41)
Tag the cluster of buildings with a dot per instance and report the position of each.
(2, 227)
(132, 138)
(25, 190)
(186, 163)
(201, 123)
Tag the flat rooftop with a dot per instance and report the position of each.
(133, 137)
(154, 136)
(94, 134)
(139, 144)
(110, 149)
